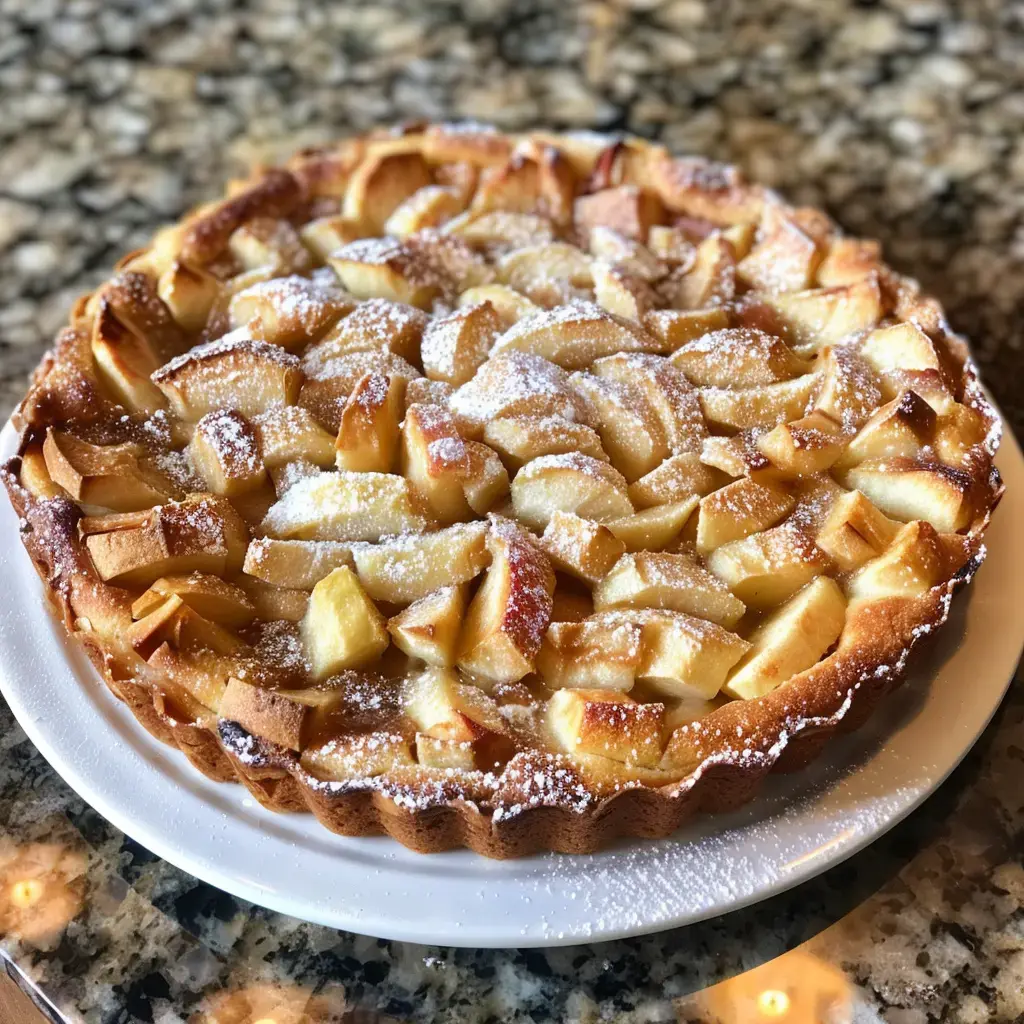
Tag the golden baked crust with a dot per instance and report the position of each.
(517, 493)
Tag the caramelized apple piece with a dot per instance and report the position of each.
(597, 653)
(235, 372)
(900, 347)
(712, 278)
(849, 388)
(624, 208)
(376, 325)
(854, 531)
(760, 407)
(289, 433)
(547, 274)
(428, 207)
(580, 547)
(486, 482)
(673, 328)
(738, 357)
(783, 259)
(362, 755)
(909, 567)
(902, 427)
(296, 564)
(324, 235)
(291, 311)
(269, 714)
(805, 446)
(368, 436)
(823, 316)
(188, 293)
(509, 304)
(521, 439)
(385, 268)
(620, 292)
(790, 640)
(676, 479)
(654, 528)
(379, 185)
(648, 579)
(435, 461)
(225, 451)
(739, 509)
(209, 596)
(429, 628)
(606, 724)
(455, 346)
(125, 360)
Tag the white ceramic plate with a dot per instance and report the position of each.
(799, 826)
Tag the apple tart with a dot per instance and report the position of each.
(509, 492)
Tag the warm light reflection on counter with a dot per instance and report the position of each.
(797, 988)
(274, 1003)
(41, 889)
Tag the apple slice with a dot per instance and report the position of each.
(805, 446)
(343, 628)
(765, 569)
(516, 384)
(790, 640)
(599, 653)
(361, 755)
(711, 280)
(116, 476)
(300, 564)
(536, 179)
(900, 347)
(234, 372)
(847, 260)
(606, 724)
(455, 346)
(486, 483)
(380, 184)
(902, 427)
(345, 506)
(225, 452)
(510, 613)
(445, 708)
(630, 429)
(547, 274)
(268, 714)
(188, 293)
(850, 390)
(569, 483)
(35, 477)
(268, 243)
(403, 569)
(428, 207)
(435, 461)
(758, 407)
(854, 531)
(289, 433)
(908, 489)
(125, 360)
(673, 328)
(428, 392)
(628, 254)
(203, 533)
(580, 547)
(573, 336)
(629, 210)
(499, 230)
(738, 357)
(676, 479)
(654, 528)
(509, 304)
(909, 567)
(369, 432)
(272, 604)
(657, 579)
(429, 628)
(376, 325)
(209, 596)
(739, 509)
(324, 235)
(783, 259)
(621, 292)
(520, 439)
(386, 268)
(291, 311)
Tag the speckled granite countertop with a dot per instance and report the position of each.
(904, 118)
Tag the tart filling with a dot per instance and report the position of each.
(451, 471)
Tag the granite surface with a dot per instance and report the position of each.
(904, 119)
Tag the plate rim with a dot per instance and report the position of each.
(28, 705)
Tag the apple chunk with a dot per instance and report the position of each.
(580, 546)
(368, 435)
(225, 451)
(790, 640)
(854, 531)
(600, 652)
(404, 569)
(738, 510)
(805, 446)
(296, 564)
(510, 613)
(520, 439)
(569, 483)
(343, 628)
(345, 506)
(738, 357)
(429, 628)
(606, 724)
(909, 567)
(655, 579)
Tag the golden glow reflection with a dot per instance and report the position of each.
(42, 886)
(773, 1002)
(273, 1002)
(26, 892)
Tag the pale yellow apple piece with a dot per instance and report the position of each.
(854, 531)
(272, 603)
(189, 293)
(509, 304)
(35, 477)
(435, 461)
(225, 452)
(847, 260)
(676, 479)
(125, 360)
(909, 567)
(209, 596)
(758, 407)
(767, 568)
(850, 390)
(363, 755)
(596, 653)
(368, 435)
(628, 254)
(520, 439)
(900, 347)
(658, 579)
(429, 628)
(673, 328)
(343, 628)
(569, 483)
(428, 207)
(630, 430)
(289, 433)
(510, 613)
(739, 509)
(548, 274)
(901, 427)
(823, 316)
(268, 244)
(325, 234)
(403, 569)
(711, 280)
(790, 640)
(654, 528)
(606, 724)
(502, 228)
(290, 311)
(738, 357)
(386, 268)
(908, 489)
(345, 506)
(573, 336)
(621, 292)
(581, 547)
(376, 325)
(784, 258)
(296, 564)
(380, 184)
